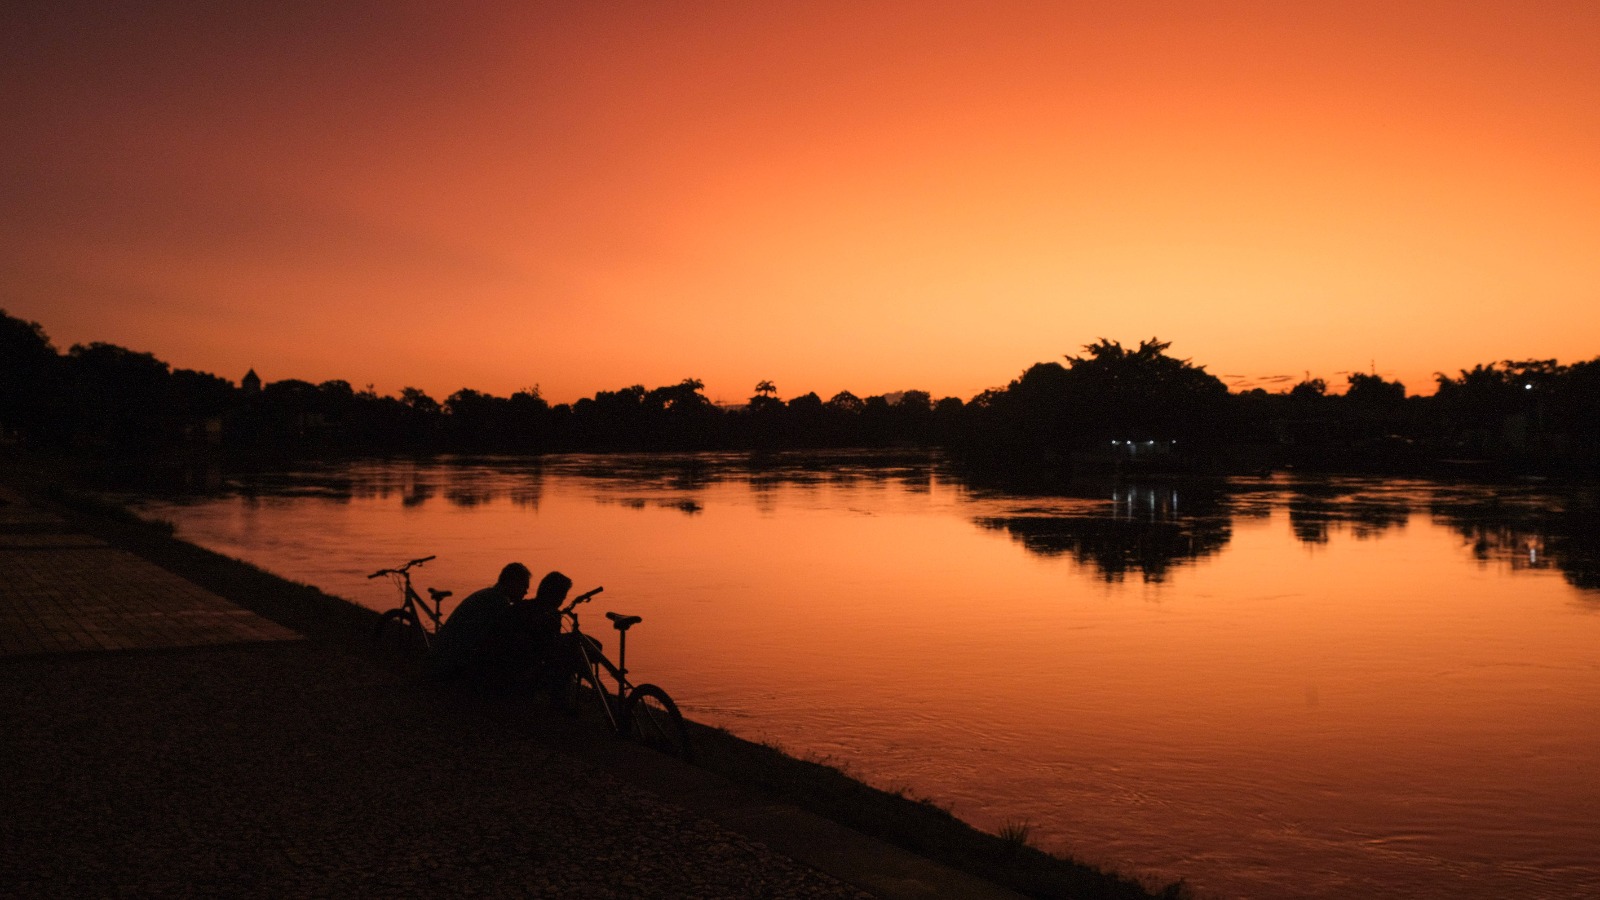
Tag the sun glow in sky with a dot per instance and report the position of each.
(862, 196)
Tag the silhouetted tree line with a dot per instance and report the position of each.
(1530, 415)
(1111, 407)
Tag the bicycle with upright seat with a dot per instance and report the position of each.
(640, 712)
(414, 622)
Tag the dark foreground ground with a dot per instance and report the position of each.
(180, 724)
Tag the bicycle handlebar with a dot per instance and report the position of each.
(581, 598)
(402, 569)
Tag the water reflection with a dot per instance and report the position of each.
(1150, 530)
(417, 495)
(463, 482)
(1528, 529)
(1118, 530)
(684, 505)
(1574, 546)
(1143, 530)
(1315, 507)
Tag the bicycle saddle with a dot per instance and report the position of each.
(438, 595)
(623, 622)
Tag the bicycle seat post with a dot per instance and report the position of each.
(622, 651)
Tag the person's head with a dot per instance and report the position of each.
(553, 588)
(514, 580)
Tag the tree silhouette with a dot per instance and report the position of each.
(1110, 393)
(1311, 389)
(29, 377)
(1374, 391)
(120, 397)
(418, 400)
(845, 402)
(766, 407)
(1532, 415)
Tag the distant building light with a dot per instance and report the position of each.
(1528, 386)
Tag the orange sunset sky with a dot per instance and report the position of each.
(856, 195)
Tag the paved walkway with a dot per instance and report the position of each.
(229, 756)
(62, 592)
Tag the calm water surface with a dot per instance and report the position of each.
(1267, 687)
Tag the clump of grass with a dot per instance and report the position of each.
(1016, 833)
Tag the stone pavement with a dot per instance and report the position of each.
(62, 592)
(160, 741)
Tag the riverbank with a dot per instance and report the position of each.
(774, 785)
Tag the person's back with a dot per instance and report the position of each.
(471, 641)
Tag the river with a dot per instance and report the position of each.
(1271, 687)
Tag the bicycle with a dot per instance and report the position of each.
(643, 713)
(413, 621)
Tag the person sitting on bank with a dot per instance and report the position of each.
(496, 635)
(537, 620)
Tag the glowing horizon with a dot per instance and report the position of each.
(862, 197)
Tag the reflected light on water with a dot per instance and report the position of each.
(1270, 688)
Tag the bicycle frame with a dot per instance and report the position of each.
(435, 613)
(643, 712)
(413, 608)
(595, 661)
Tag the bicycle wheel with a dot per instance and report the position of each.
(651, 718)
(566, 691)
(575, 692)
(400, 630)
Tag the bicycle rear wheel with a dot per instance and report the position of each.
(651, 718)
(399, 629)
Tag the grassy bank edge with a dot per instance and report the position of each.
(917, 826)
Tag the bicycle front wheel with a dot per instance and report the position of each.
(651, 718)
